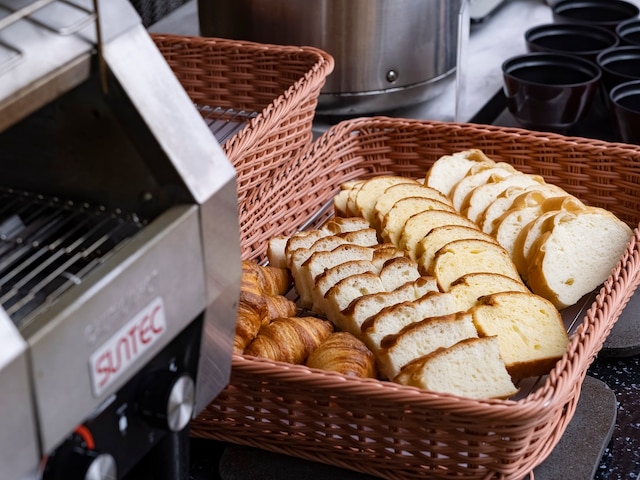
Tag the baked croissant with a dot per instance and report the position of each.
(344, 353)
(279, 306)
(290, 339)
(249, 320)
(272, 280)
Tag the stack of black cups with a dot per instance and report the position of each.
(591, 48)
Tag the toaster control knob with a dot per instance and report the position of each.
(168, 401)
(81, 464)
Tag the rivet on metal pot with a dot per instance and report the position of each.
(392, 76)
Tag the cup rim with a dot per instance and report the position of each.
(621, 34)
(602, 58)
(630, 10)
(539, 58)
(617, 93)
(557, 29)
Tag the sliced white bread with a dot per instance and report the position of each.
(350, 204)
(523, 244)
(404, 190)
(461, 257)
(333, 275)
(505, 200)
(341, 198)
(421, 338)
(398, 271)
(576, 254)
(359, 310)
(470, 287)
(482, 196)
(477, 176)
(275, 251)
(318, 262)
(530, 331)
(384, 252)
(303, 239)
(471, 368)
(338, 225)
(392, 319)
(367, 237)
(340, 296)
(419, 225)
(371, 190)
(395, 219)
(438, 237)
(450, 169)
(525, 209)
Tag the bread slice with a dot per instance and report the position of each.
(470, 287)
(341, 199)
(398, 271)
(367, 237)
(419, 225)
(421, 338)
(450, 169)
(523, 244)
(482, 196)
(392, 319)
(384, 252)
(477, 176)
(372, 188)
(360, 309)
(530, 331)
(504, 202)
(397, 192)
(333, 275)
(461, 257)
(471, 368)
(303, 239)
(318, 262)
(577, 254)
(395, 219)
(340, 296)
(275, 251)
(338, 225)
(438, 237)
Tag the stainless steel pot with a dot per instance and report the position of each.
(388, 53)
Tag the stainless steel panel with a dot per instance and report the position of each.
(163, 261)
(19, 453)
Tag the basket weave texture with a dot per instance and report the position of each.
(399, 432)
(280, 83)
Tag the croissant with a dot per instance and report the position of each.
(290, 339)
(344, 353)
(249, 320)
(280, 306)
(251, 288)
(272, 280)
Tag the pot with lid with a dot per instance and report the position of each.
(388, 53)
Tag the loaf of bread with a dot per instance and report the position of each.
(471, 368)
(530, 331)
(420, 338)
(344, 353)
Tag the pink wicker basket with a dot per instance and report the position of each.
(398, 432)
(277, 85)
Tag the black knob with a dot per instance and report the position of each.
(78, 463)
(167, 401)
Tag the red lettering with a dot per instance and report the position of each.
(146, 329)
(157, 329)
(104, 368)
(132, 335)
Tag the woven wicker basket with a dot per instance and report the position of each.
(398, 432)
(279, 83)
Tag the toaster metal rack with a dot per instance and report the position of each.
(119, 248)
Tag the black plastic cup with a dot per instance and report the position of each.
(585, 41)
(629, 32)
(604, 13)
(624, 101)
(549, 91)
(619, 65)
